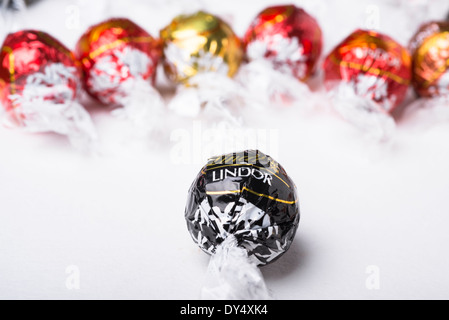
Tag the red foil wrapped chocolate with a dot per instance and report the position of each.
(113, 54)
(373, 65)
(39, 86)
(35, 69)
(430, 55)
(287, 37)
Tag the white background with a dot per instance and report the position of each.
(118, 217)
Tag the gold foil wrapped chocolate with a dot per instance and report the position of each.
(430, 51)
(200, 43)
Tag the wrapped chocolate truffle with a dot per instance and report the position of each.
(283, 43)
(119, 61)
(201, 54)
(245, 202)
(39, 86)
(369, 75)
(200, 43)
(430, 69)
(430, 55)
(288, 37)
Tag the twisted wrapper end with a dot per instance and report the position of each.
(69, 119)
(264, 86)
(212, 94)
(233, 276)
(142, 105)
(363, 113)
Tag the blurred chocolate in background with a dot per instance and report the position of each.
(16, 4)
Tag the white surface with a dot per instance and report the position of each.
(118, 218)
